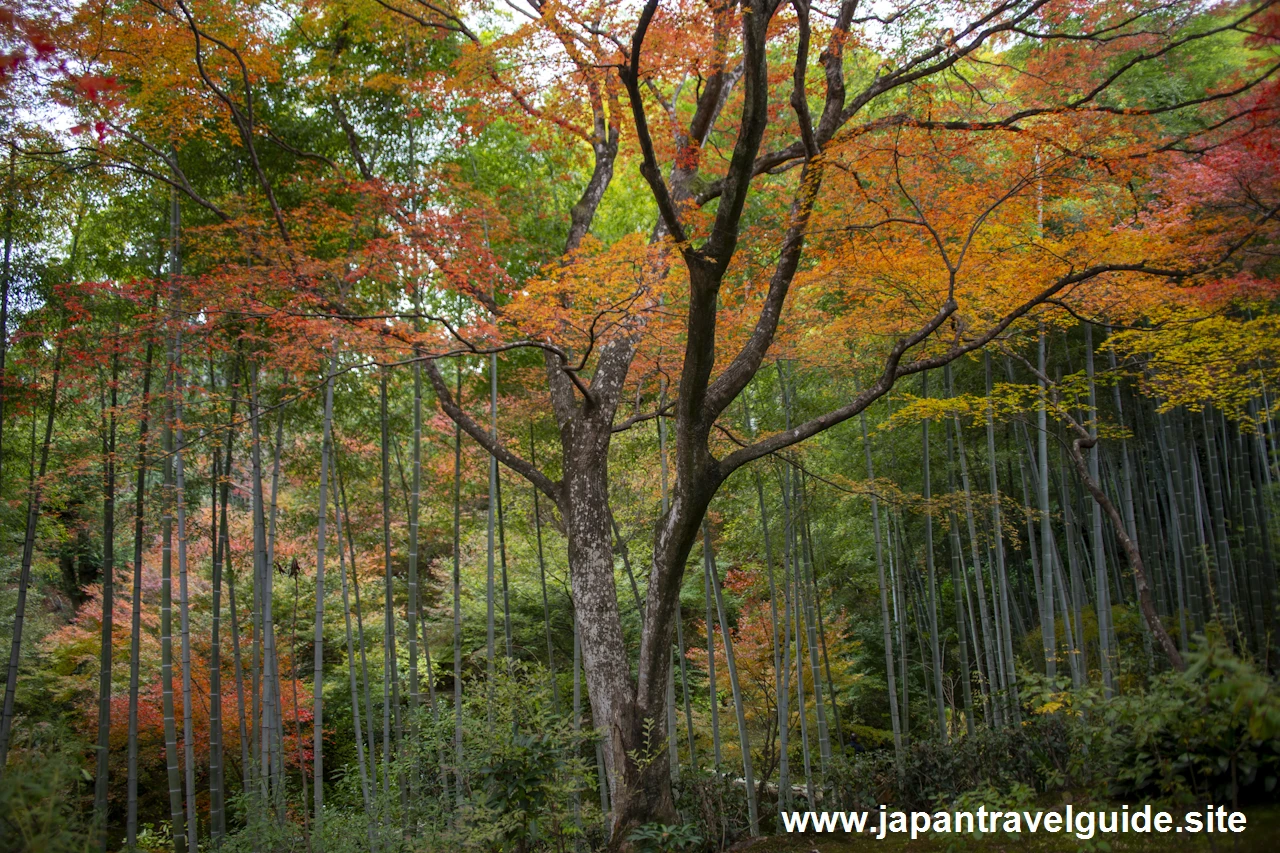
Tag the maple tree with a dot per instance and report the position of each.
(891, 158)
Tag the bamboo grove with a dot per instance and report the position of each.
(540, 426)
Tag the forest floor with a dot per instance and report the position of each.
(1260, 836)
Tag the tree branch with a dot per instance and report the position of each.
(486, 439)
(894, 369)
(649, 168)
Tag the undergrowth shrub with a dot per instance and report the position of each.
(524, 783)
(1211, 733)
(713, 807)
(934, 771)
(42, 793)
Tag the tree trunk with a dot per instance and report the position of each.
(679, 616)
(221, 554)
(1048, 639)
(1131, 551)
(885, 626)
(388, 614)
(673, 726)
(176, 816)
(361, 761)
(957, 589)
(6, 279)
(542, 580)
(744, 740)
(930, 568)
(713, 694)
(135, 605)
(577, 713)
(370, 747)
(184, 609)
(989, 655)
(1102, 594)
(317, 733)
(1002, 574)
(108, 600)
(457, 604)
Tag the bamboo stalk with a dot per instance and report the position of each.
(957, 588)
(886, 628)
(988, 651)
(679, 616)
(184, 608)
(135, 607)
(709, 599)
(413, 605)
(221, 555)
(360, 638)
(930, 568)
(108, 600)
(389, 674)
(1002, 574)
(744, 739)
(457, 602)
(490, 593)
(542, 580)
(1102, 599)
(361, 763)
(177, 817)
(317, 732)
(784, 692)
(1045, 594)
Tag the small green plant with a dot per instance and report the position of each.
(655, 746)
(155, 838)
(661, 838)
(1016, 796)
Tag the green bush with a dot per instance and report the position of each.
(934, 772)
(41, 803)
(525, 783)
(1211, 733)
(714, 808)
